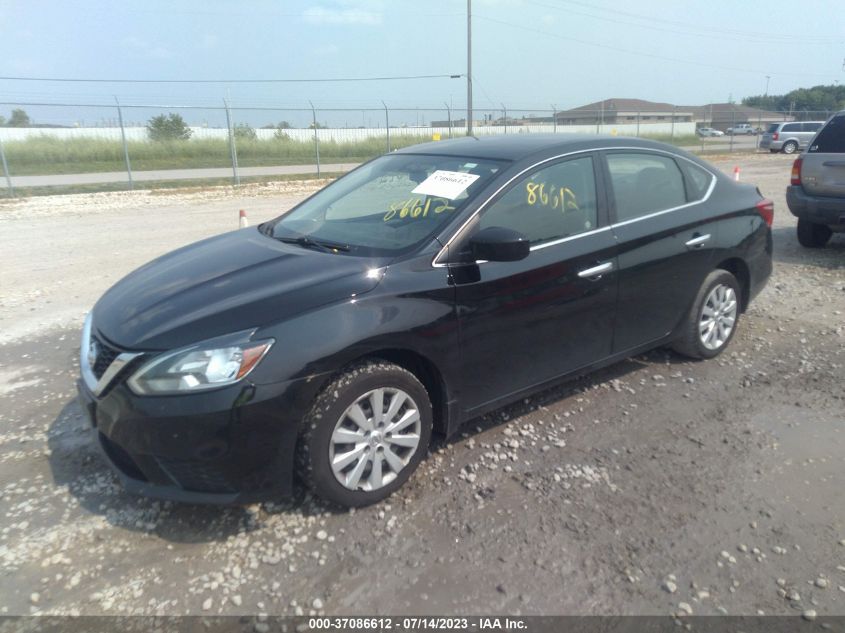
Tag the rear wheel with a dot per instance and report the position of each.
(366, 433)
(712, 319)
(790, 147)
(812, 235)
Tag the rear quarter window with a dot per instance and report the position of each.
(831, 140)
(697, 180)
(791, 127)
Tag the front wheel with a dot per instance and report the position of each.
(812, 235)
(790, 147)
(366, 433)
(712, 320)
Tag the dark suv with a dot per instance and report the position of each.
(816, 195)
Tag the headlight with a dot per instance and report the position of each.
(208, 365)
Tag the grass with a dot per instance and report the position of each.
(45, 155)
(679, 141)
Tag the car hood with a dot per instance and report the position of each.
(225, 284)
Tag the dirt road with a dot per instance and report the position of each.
(656, 486)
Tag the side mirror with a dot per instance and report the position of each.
(498, 244)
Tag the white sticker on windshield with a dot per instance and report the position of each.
(446, 184)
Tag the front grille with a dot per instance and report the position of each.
(105, 356)
(195, 475)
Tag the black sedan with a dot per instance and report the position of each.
(419, 291)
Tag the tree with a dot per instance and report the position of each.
(280, 134)
(2, 120)
(168, 127)
(804, 102)
(19, 118)
(244, 131)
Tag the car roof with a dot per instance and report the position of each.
(515, 147)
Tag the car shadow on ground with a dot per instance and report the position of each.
(787, 250)
(76, 462)
(559, 393)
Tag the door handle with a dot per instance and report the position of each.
(697, 242)
(595, 273)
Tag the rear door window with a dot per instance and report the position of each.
(644, 183)
(831, 140)
(812, 127)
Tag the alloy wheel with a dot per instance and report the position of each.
(374, 439)
(718, 317)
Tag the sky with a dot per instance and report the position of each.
(527, 55)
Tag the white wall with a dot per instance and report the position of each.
(354, 134)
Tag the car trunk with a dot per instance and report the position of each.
(824, 174)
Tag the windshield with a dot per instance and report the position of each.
(387, 206)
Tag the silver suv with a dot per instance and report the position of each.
(816, 195)
(790, 136)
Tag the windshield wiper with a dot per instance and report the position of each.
(307, 242)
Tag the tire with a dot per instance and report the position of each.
(790, 147)
(331, 420)
(812, 235)
(719, 289)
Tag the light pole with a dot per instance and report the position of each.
(469, 67)
(554, 119)
(766, 94)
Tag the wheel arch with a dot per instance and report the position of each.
(422, 367)
(739, 269)
(427, 373)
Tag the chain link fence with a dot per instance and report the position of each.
(76, 145)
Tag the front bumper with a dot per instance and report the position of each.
(817, 209)
(230, 446)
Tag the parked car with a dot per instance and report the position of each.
(418, 292)
(789, 137)
(816, 194)
(709, 131)
(741, 128)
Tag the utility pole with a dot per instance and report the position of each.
(766, 94)
(316, 137)
(125, 147)
(469, 67)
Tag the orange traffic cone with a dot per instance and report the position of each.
(736, 173)
(243, 221)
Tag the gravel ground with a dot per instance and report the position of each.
(657, 486)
